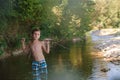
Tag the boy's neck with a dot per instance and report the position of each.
(35, 40)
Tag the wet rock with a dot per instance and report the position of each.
(115, 52)
(117, 62)
(17, 52)
(107, 42)
(105, 69)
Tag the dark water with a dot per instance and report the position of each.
(71, 63)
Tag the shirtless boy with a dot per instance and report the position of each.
(36, 47)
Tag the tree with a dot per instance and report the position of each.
(107, 13)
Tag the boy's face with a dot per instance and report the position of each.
(36, 35)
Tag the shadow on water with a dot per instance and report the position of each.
(15, 68)
(74, 63)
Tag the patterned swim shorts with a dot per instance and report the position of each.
(39, 69)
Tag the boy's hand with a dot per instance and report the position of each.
(23, 40)
(47, 40)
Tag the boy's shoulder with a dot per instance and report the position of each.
(30, 42)
(42, 42)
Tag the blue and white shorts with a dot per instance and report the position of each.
(39, 69)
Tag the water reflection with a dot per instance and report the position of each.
(40, 77)
(63, 64)
(15, 68)
(75, 56)
(82, 59)
(36, 78)
(72, 64)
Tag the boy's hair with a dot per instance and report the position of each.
(35, 29)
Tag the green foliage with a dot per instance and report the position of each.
(28, 9)
(2, 46)
(57, 19)
(76, 17)
(106, 14)
(4, 13)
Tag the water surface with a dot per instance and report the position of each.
(74, 62)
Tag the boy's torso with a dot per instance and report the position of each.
(36, 50)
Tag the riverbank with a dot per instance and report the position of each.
(14, 53)
(107, 41)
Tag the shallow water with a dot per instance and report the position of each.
(71, 63)
(74, 63)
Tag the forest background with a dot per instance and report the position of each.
(57, 19)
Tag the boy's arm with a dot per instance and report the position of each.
(25, 48)
(46, 46)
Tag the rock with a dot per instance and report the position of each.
(105, 69)
(15, 53)
(115, 52)
(106, 41)
(115, 62)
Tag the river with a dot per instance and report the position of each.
(71, 62)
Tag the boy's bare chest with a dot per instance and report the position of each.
(36, 45)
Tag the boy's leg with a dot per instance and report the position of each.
(44, 74)
(35, 70)
(43, 70)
